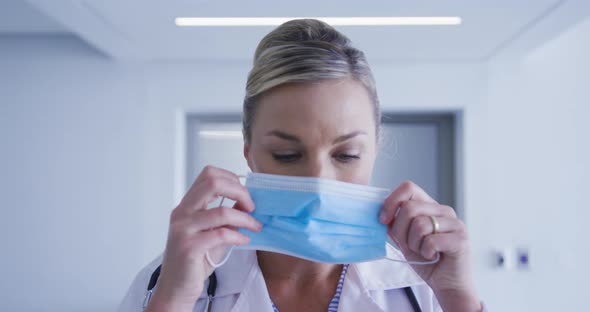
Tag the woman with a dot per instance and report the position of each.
(311, 109)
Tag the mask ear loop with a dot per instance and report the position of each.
(417, 262)
(208, 257)
(435, 260)
(216, 265)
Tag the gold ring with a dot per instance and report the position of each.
(435, 224)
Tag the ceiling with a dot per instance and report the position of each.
(20, 17)
(145, 30)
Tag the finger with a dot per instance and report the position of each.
(406, 191)
(422, 226)
(220, 237)
(408, 210)
(229, 189)
(223, 216)
(209, 190)
(212, 172)
(239, 206)
(208, 173)
(447, 243)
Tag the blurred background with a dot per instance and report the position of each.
(108, 110)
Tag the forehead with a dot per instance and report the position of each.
(327, 107)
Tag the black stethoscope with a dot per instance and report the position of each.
(213, 286)
(154, 279)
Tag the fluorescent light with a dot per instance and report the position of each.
(335, 21)
(221, 134)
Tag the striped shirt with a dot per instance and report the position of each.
(333, 307)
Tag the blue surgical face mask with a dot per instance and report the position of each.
(317, 219)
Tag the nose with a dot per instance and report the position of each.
(319, 168)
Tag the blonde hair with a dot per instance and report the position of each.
(304, 50)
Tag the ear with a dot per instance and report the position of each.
(247, 155)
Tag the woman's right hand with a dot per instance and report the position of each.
(195, 230)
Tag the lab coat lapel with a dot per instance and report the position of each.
(355, 297)
(254, 296)
(379, 275)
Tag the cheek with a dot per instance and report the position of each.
(361, 174)
(358, 172)
(364, 169)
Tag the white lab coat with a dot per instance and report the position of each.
(369, 286)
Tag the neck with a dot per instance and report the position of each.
(280, 267)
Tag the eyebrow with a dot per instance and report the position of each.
(294, 138)
(349, 136)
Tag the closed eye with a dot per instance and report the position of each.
(286, 158)
(346, 157)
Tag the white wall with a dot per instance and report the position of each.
(538, 169)
(88, 164)
(78, 176)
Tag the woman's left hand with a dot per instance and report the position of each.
(407, 212)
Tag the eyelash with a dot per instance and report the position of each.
(347, 157)
(288, 158)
